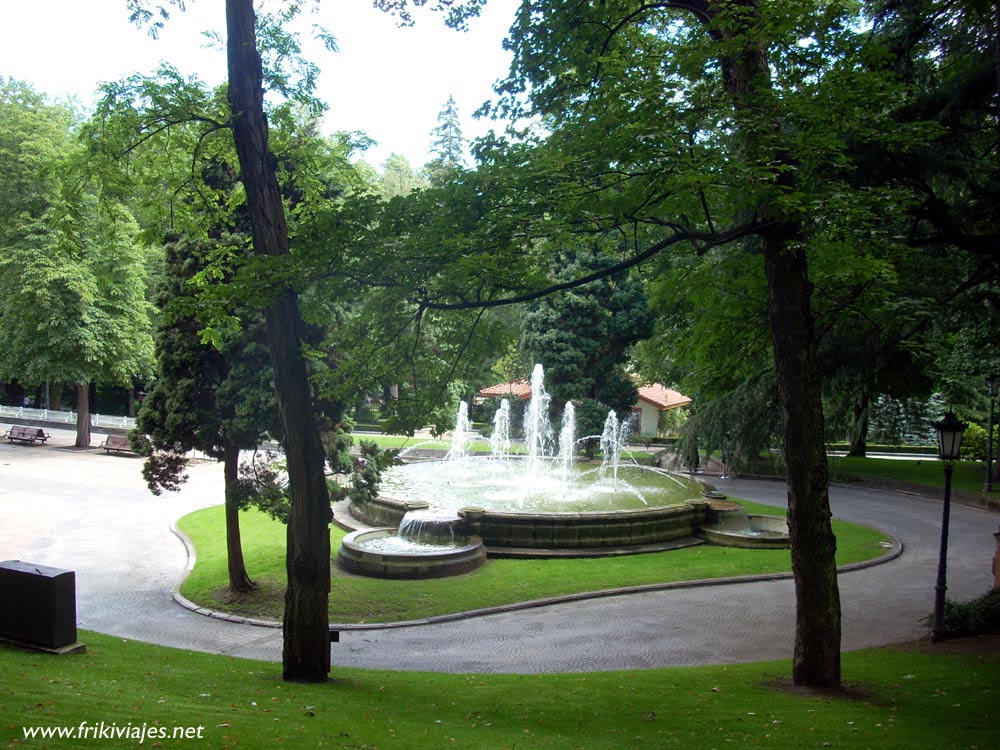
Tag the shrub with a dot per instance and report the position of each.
(977, 617)
(974, 443)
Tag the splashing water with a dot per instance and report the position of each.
(613, 439)
(543, 478)
(462, 434)
(500, 439)
(567, 438)
(537, 429)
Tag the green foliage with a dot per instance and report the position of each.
(398, 178)
(447, 147)
(263, 484)
(457, 12)
(974, 442)
(164, 469)
(583, 337)
(215, 400)
(155, 141)
(590, 418)
(976, 617)
(368, 467)
(72, 271)
(745, 421)
(35, 145)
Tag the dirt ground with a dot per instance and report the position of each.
(974, 644)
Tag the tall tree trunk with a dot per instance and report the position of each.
(82, 415)
(747, 78)
(306, 652)
(816, 662)
(859, 426)
(239, 580)
(55, 395)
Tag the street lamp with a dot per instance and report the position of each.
(991, 388)
(949, 432)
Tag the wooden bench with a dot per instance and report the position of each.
(27, 435)
(117, 443)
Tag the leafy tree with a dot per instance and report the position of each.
(398, 178)
(161, 144)
(72, 294)
(35, 146)
(945, 55)
(218, 402)
(680, 125)
(583, 337)
(306, 652)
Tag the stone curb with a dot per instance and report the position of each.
(895, 550)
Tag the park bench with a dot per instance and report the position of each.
(23, 434)
(117, 443)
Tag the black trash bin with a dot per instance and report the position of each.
(37, 605)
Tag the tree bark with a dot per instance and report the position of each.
(82, 415)
(816, 661)
(859, 427)
(306, 652)
(55, 395)
(747, 79)
(239, 580)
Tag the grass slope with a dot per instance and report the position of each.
(902, 699)
(968, 475)
(356, 599)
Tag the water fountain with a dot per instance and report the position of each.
(728, 524)
(541, 503)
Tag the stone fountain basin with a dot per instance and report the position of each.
(587, 533)
(762, 532)
(448, 561)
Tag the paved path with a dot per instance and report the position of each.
(89, 512)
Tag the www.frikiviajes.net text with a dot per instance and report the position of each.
(103, 731)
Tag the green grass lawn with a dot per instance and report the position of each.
(900, 700)
(356, 599)
(968, 475)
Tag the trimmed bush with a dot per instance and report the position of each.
(978, 617)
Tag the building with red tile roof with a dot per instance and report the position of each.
(653, 399)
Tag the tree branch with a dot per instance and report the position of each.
(704, 240)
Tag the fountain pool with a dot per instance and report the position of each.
(542, 502)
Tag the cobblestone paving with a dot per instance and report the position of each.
(90, 512)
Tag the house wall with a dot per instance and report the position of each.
(649, 419)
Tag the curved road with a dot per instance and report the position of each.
(90, 512)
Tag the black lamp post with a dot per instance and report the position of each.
(949, 432)
(991, 388)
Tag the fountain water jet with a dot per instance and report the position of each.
(500, 439)
(461, 435)
(567, 438)
(537, 428)
(612, 442)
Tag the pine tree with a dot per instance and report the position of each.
(448, 145)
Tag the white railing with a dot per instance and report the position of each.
(54, 416)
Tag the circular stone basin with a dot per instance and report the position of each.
(381, 554)
(757, 532)
(517, 512)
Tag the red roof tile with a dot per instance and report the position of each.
(659, 396)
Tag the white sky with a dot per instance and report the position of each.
(387, 81)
